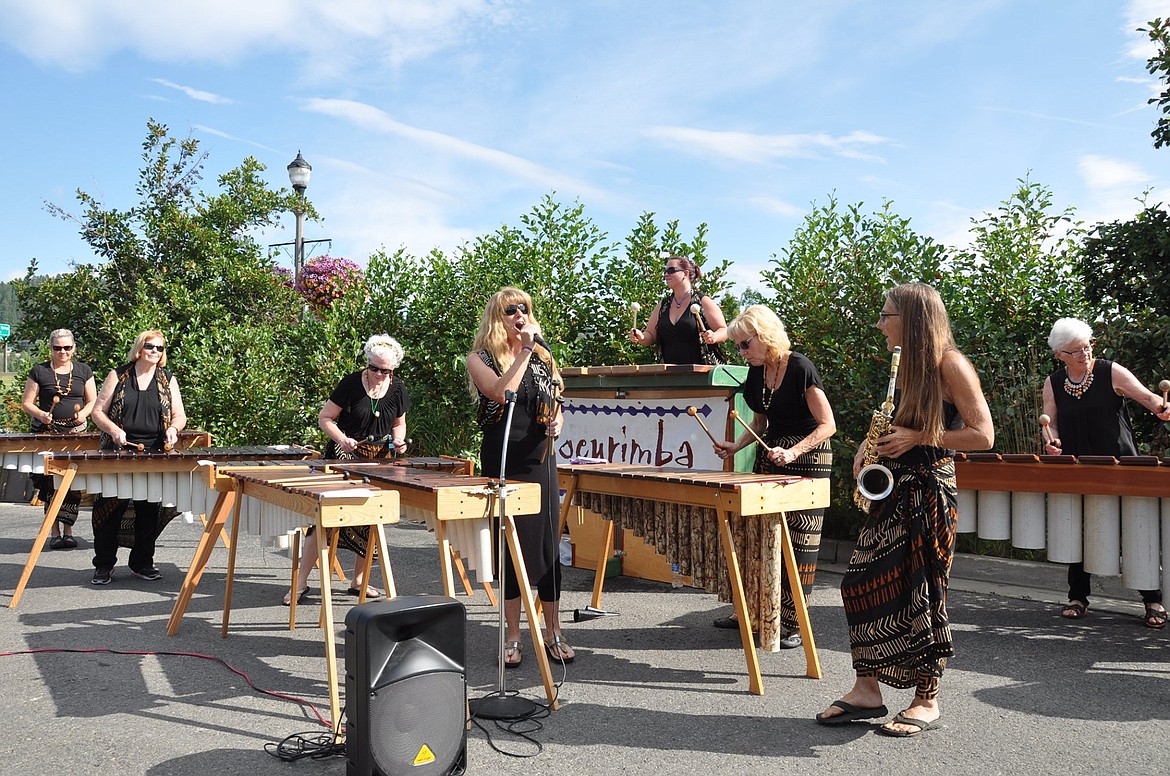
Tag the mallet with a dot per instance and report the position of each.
(694, 413)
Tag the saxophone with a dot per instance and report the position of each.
(875, 481)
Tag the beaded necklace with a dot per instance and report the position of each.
(68, 386)
(680, 302)
(1077, 389)
(766, 393)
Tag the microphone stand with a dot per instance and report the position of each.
(499, 705)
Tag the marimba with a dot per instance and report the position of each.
(1111, 513)
(25, 452)
(172, 479)
(687, 512)
(461, 509)
(328, 501)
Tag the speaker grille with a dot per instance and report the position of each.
(422, 710)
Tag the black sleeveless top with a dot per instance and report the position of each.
(678, 343)
(1097, 423)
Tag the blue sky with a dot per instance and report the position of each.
(429, 122)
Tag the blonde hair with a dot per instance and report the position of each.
(760, 322)
(56, 334)
(492, 335)
(384, 346)
(136, 348)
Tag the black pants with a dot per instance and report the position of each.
(105, 532)
(1079, 582)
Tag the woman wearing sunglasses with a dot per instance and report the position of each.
(672, 325)
(364, 417)
(793, 416)
(505, 359)
(139, 405)
(59, 395)
(1086, 399)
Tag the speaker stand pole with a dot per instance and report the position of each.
(500, 705)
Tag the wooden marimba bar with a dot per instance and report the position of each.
(1113, 514)
(460, 509)
(328, 501)
(25, 452)
(631, 497)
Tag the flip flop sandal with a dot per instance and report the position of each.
(902, 719)
(57, 543)
(558, 649)
(512, 648)
(851, 713)
(1156, 618)
(1074, 610)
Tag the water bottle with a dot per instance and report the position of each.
(676, 580)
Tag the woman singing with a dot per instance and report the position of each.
(506, 360)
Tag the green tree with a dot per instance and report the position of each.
(1159, 66)
(1126, 273)
(185, 262)
(1003, 294)
(828, 286)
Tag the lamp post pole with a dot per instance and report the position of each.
(298, 175)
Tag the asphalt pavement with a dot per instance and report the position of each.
(95, 686)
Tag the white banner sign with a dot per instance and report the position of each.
(643, 432)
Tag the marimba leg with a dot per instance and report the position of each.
(224, 504)
(462, 571)
(379, 532)
(602, 560)
(534, 624)
(296, 585)
(792, 573)
(231, 565)
(755, 680)
(324, 550)
(222, 534)
(43, 534)
(446, 552)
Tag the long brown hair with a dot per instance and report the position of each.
(926, 338)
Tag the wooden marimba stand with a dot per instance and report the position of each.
(330, 502)
(69, 466)
(728, 493)
(452, 497)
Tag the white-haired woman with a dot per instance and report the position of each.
(364, 417)
(1085, 399)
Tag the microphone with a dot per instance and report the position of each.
(539, 340)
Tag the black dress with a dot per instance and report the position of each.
(70, 391)
(531, 458)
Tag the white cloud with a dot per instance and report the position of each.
(81, 34)
(378, 121)
(763, 149)
(1101, 172)
(776, 206)
(193, 93)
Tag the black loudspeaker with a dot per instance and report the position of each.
(406, 687)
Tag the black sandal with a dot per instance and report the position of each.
(1156, 618)
(1074, 610)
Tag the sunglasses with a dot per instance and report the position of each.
(512, 308)
(62, 347)
(672, 270)
(379, 370)
(152, 346)
(747, 343)
(883, 317)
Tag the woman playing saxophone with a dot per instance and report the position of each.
(896, 586)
